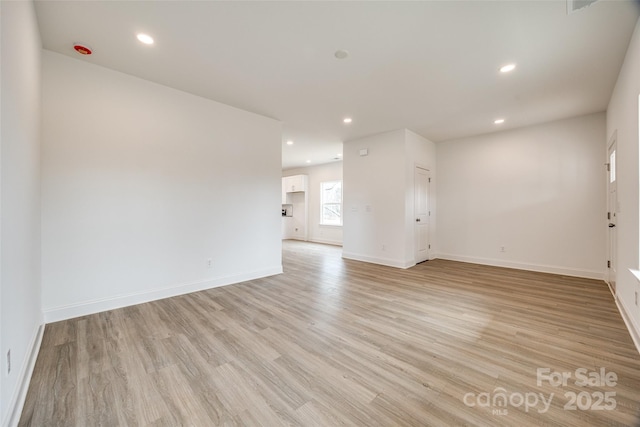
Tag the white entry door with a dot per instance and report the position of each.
(421, 199)
(612, 210)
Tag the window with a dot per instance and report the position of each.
(612, 166)
(331, 203)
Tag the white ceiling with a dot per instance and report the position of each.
(429, 66)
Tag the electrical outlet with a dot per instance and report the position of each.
(209, 263)
(9, 362)
(384, 247)
(503, 249)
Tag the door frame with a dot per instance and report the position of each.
(612, 212)
(426, 169)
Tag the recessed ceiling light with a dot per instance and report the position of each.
(144, 38)
(341, 54)
(507, 68)
(339, 154)
(308, 161)
(498, 121)
(347, 120)
(289, 142)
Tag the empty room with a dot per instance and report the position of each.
(319, 213)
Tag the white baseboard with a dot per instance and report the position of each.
(326, 241)
(632, 326)
(564, 271)
(17, 401)
(382, 261)
(95, 306)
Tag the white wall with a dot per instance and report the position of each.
(378, 196)
(539, 191)
(374, 199)
(143, 183)
(326, 172)
(20, 313)
(622, 116)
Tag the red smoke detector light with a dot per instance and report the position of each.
(82, 50)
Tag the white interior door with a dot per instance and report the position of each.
(421, 203)
(612, 211)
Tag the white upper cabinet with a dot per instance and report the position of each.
(295, 183)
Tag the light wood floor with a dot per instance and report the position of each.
(335, 342)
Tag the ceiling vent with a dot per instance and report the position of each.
(576, 5)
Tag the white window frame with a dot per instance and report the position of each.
(323, 203)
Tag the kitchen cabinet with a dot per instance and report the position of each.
(295, 202)
(295, 183)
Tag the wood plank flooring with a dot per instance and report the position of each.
(333, 342)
